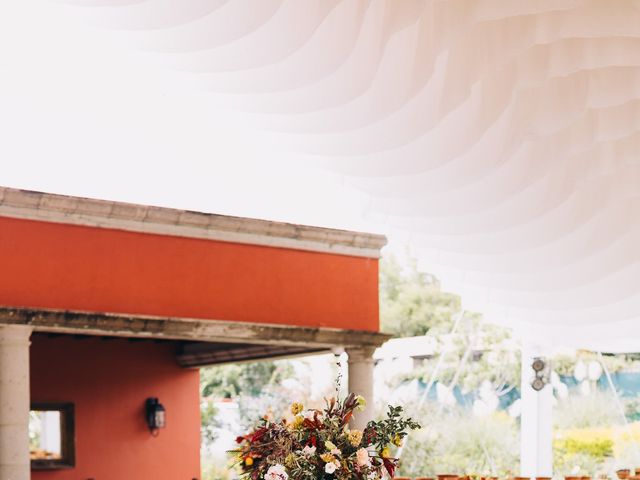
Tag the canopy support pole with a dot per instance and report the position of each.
(536, 458)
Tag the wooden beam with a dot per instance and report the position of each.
(220, 331)
(205, 354)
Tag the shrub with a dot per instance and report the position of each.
(458, 442)
(583, 411)
(598, 448)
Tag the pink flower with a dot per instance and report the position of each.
(362, 457)
(276, 472)
(309, 450)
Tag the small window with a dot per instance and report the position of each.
(51, 436)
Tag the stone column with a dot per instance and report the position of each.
(360, 375)
(536, 420)
(14, 402)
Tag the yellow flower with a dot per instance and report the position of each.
(297, 421)
(354, 437)
(327, 457)
(397, 440)
(296, 408)
(385, 453)
(248, 461)
(361, 403)
(290, 460)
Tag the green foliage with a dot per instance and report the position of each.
(598, 448)
(619, 363)
(584, 451)
(627, 450)
(251, 379)
(411, 302)
(477, 352)
(392, 429)
(583, 411)
(218, 470)
(456, 442)
(499, 365)
(588, 435)
(208, 422)
(632, 409)
(564, 364)
(579, 464)
(253, 385)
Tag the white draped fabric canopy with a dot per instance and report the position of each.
(502, 135)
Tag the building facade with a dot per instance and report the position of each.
(104, 305)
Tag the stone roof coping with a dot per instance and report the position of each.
(67, 209)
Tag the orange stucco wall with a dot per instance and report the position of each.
(109, 381)
(62, 266)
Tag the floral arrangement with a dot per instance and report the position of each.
(318, 444)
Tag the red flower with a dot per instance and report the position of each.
(390, 466)
(347, 417)
(258, 434)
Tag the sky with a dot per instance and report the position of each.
(85, 111)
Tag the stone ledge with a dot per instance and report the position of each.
(167, 221)
(220, 331)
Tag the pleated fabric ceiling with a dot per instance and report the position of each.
(502, 135)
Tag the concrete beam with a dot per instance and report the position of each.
(220, 331)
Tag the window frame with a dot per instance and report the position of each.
(67, 436)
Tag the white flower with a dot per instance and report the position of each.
(309, 414)
(336, 452)
(330, 467)
(362, 457)
(276, 472)
(309, 451)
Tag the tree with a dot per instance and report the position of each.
(412, 302)
(227, 381)
(208, 422)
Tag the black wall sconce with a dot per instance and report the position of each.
(156, 415)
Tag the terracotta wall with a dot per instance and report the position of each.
(83, 268)
(109, 381)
